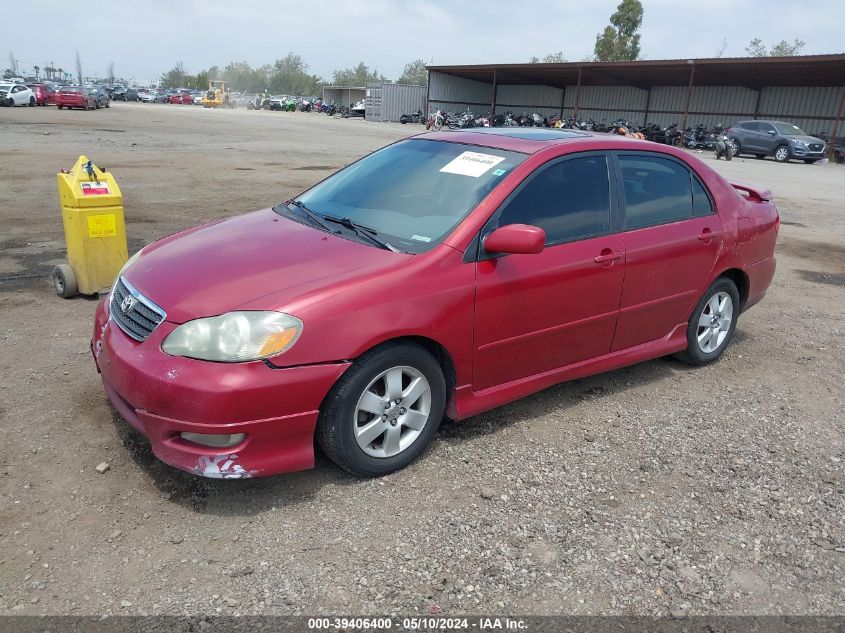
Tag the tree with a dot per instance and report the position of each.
(78, 68)
(359, 76)
(289, 75)
(174, 78)
(13, 63)
(756, 48)
(620, 41)
(36, 69)
(551, 58)
(722, 47)
(110, 72)
(414, 73)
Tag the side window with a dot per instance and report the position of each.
(701, 204)
(657, 191)
(765, 128)
(569, 200)
(753, 126)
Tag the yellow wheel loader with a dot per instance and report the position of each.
(217, 95)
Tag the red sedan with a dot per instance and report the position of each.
(183, 97)
(75, 97)
(446, 274)
(44, 94)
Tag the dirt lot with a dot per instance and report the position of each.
(650, 490)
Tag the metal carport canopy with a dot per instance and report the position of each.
(751, 72)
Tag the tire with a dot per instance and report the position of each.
(344, 413)
(810, 161)
(737, 147)
(64, 281)
(782, 154)
(60, 107)
(701, 348)
(729, 153)
(108, 105)
(32, 102)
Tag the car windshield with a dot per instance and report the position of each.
(413, 193)
(788, 129)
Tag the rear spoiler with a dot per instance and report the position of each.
(754, 193)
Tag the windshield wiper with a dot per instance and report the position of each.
(314, 217)
(362, 231)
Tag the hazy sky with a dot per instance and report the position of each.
(144, 38)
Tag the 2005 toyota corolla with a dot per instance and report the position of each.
(440, 276)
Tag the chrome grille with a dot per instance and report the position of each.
(136, 315)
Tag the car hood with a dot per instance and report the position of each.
(257, 261)
(805, 138)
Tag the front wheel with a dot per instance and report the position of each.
(32, 102)
(383, 412)
(782, 154)
(712, 324)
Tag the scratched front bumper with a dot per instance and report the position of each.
(162, 396)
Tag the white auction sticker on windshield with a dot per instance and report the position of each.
(472, 164)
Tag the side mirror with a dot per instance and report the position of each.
(516, 239)
(772, 132)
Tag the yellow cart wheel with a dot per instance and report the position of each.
(64, 281)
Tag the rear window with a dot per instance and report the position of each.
(71, 90)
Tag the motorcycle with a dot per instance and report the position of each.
(416, 117)
(436, 120)
(724, 146)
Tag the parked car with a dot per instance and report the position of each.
(12, 94)
(445, 274)
(124, 94)
(776, 138)
(152, 96)
(75, 97)
(101, 97)
(182, 95)
(44, 94)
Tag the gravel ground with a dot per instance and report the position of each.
(652, 490)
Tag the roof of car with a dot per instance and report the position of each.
(531, 140)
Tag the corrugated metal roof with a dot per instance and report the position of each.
(752, 72)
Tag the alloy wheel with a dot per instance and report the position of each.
(392, 411)
(715, 322)
(782, 154)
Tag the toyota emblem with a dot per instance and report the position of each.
(127, 304)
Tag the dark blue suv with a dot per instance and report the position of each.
(776, 138)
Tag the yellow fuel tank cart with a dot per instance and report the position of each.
(95, 231)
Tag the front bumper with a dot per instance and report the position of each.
(798, 151)
(162, 396)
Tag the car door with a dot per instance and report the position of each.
(535, 313)
(672, 236)
(18, 97)
(768, 137)
(749, 136)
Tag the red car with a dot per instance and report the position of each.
(45, 94)
(445, 274)
(183, 96)
(75, 97)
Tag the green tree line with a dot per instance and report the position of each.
(288, 75)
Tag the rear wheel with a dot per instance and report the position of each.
(782, 154)
(60, 107)
(737, 147)
(383, 412)
(712, 324)
(32, 102)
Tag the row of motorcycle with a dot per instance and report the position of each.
(699, 137)
(302, 104)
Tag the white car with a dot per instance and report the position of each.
(16, 95)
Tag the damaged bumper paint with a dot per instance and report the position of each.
(163, 396)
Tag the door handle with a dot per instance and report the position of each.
(607, 256)
(707, 235)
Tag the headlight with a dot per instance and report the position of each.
(234, 337)
(799, 142)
